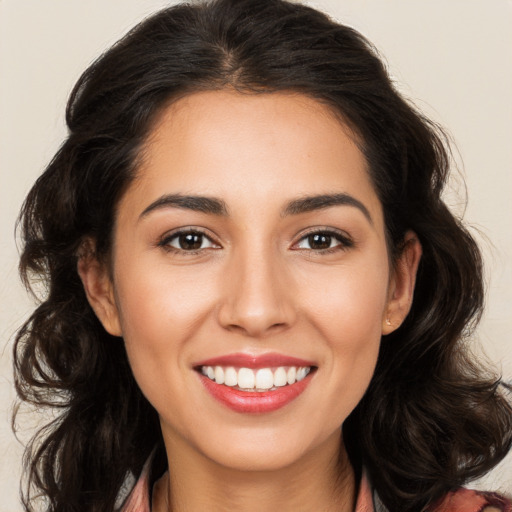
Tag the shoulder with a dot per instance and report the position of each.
(465, 500)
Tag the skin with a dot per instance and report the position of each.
(255, 285)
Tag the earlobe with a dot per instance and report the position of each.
(99, 288)
(402, 282)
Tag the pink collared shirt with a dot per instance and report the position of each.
(462, 500)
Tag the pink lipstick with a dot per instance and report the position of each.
(255, 384)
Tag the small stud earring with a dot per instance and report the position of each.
(388, 321)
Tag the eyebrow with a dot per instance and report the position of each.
(319, 202)
(203, 204)
(215, 206)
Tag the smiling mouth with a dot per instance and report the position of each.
(256, 380)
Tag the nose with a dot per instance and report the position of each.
(257, 298)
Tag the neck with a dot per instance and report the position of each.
(323, 481)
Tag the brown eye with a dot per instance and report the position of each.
(319, 241)
(324, 241)
(187, 241)
(190, 241)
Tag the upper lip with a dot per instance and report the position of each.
(242, 360)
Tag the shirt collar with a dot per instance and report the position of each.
(139, 498)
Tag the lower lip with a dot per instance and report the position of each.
(255, 402)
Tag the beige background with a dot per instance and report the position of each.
(453, 58)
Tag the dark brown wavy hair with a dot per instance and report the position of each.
(431, 419)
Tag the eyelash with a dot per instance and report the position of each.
(345, 242)
(168, 238)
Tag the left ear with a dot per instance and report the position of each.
(401, 284)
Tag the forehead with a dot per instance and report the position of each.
(258, 148)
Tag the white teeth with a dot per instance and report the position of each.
(301, 373)
(230, 377)
(290, 375)
(280, 377)
(246, 378)
(262, 379)
(219, 375)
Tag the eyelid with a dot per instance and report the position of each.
(164, 240)
(346, 241)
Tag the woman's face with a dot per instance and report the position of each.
(251, 248)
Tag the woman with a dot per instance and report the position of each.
(256, 296)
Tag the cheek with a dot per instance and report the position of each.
(159, 311)
(347, 303)
(356, 309)
(347, 308)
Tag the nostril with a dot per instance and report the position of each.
(256, 305)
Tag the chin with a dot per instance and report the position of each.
(266, 451)
(256, 460)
